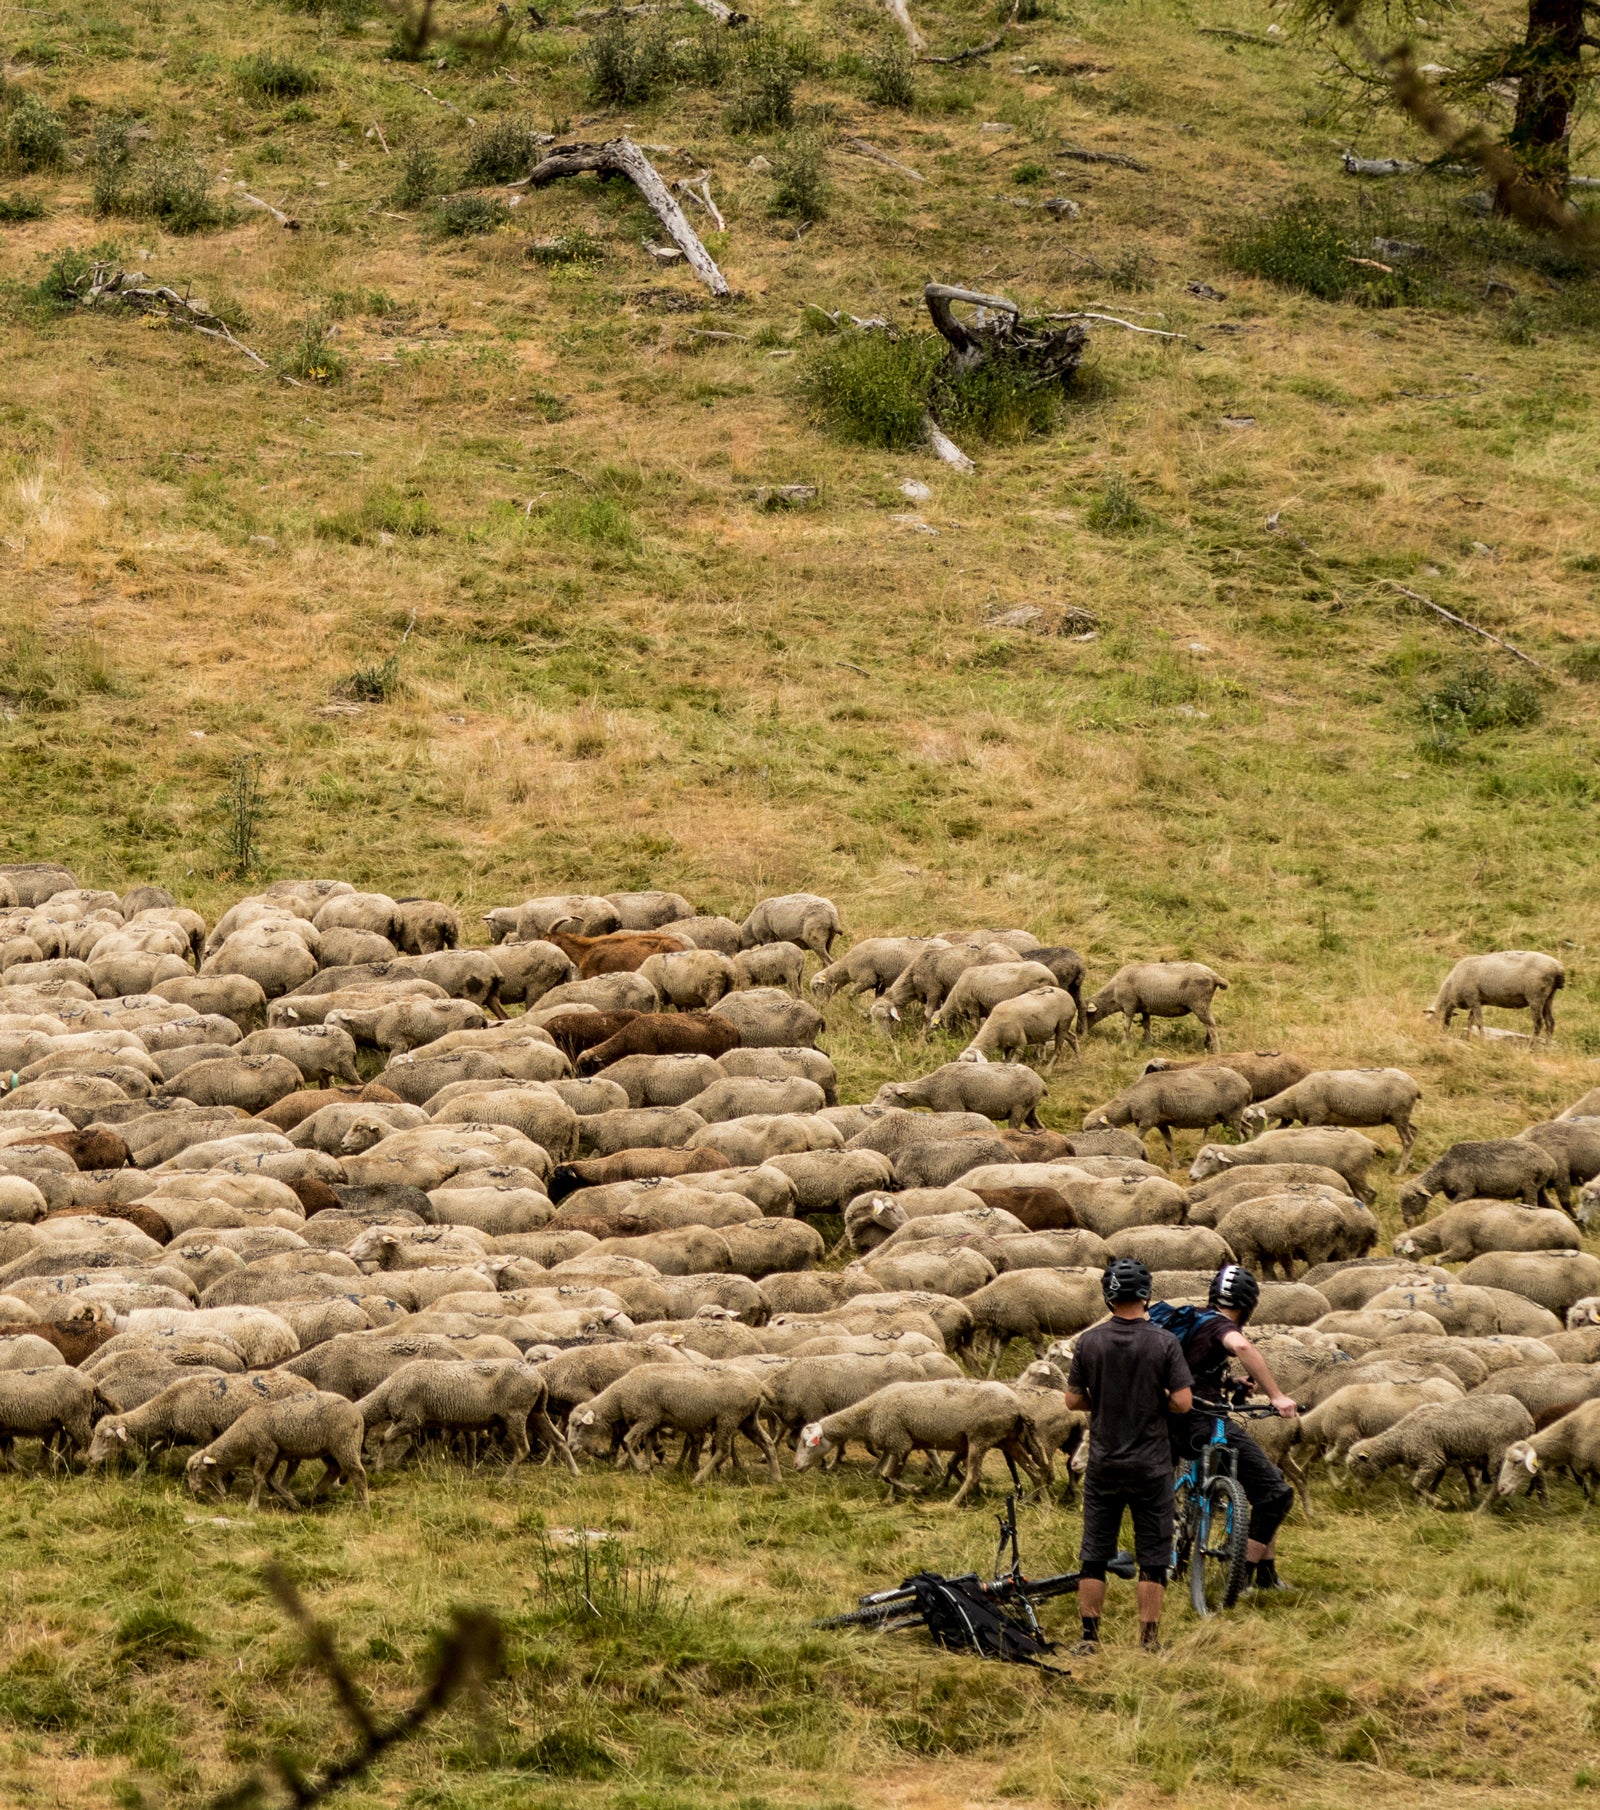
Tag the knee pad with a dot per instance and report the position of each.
(1153, 1574)
(1095, 1570)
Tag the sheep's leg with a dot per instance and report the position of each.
(1408, 1136)
(894, 1462)
(1145, 1016)
(1469, 1477)
(721, 1451)
(547, 1430)
(976, 1454)
(1213, 1038)
(1166, 1138)
(763, 1438)
(1299, 1482)
(1425, 1480)
(517, 1439)
(266, 1465)
(632, 1446)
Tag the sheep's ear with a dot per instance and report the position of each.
(206, 1458)
(811, 1435)
(586, 1418)
(1531, 1459)
(122, 1434)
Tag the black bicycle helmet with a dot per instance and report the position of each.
(1234, 1286)
(1126, 1279)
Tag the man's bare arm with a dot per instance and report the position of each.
(1260, 1373)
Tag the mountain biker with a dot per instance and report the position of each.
(1209, 1337)
(1129, 1374)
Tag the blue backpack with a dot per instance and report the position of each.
(1182, 1322)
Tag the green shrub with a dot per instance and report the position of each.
(890, 76)
(1131, 272)
(800, 183)
(1475, 698)
(579, 246)
(629, 63)
(57, 288)
(997, 401)
(1116, 510)
(460, 216)
(311, 358)
(501, 152)
(373, 684)
(765, 97)
(1304, 246)
(14, 209)
(873, 388)
(1029, 175)
(166, 182)
(34, 137)
(154, 1632)
(419, 178)
(275, 78)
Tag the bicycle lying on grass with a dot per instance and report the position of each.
(1010, 1589)
(1211, 1519)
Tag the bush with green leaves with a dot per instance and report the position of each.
(502, 151)
(15, 209)
(890, 75)
(1306, 246)
(164, 181)
(419, 178)
(764, 100)
(34, 137)
(311, 359)
(461, 216)
(273, 78)
(630, 63)
(1000, 401)
(579, 246)
(800, 181)
(1116, 510)
(873, 387)
(1471, 700)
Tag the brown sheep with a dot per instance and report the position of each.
(95, 1147)
(622, 952)
(663, 1034)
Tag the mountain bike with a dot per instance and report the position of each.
(888, 1610)
(1212, 1515)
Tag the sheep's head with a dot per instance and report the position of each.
(201, 1470)
(1097, 1120)
(110, 1436)
(892, 1093)
(584, 1430)
(972, 1054)
(1362, 1461)
(1406, 1246)
(1413, 1202)
(1520, 1462)
(1253, 1119)
(1586, 1208)
(812, 1448)
(1584, 1313)
(1211, 1160)
(884, 1015)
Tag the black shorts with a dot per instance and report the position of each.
(1147, 1496)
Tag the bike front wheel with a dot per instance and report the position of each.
(1217, 1564)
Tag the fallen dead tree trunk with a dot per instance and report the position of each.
(107, 285)
(622, 157)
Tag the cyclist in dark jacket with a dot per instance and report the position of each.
(1208, 1343)
(1130, 1375)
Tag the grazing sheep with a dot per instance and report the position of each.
(690, 979)
(1146, 990)
(354, 1364)
(1278, 1231)
(1043, 1018)
(1545, 1389)
(998, 1090)
(321, 1052)
(1555, 1281)
(1173, 1248)
(805, 1389)
(1190, 1099)
(1269, 1072)
(1209, 1200)
(1573, 1144)
(872, 966)
(283, 1434)
(1511, 978)
(929, 979)
(650, 1034)
(1345, 1096)
(980, 989)
(53, 1402)
(1476, 1226)
(941, 1270)
(504, 1393)
(1571, 1443)
(190, 1412)
(966, 1419)
(796, 917)
(1362, 1410)
(1346, 1152)
(768, 965)
(1035, 1305)
(721, 1400)
(1493, 1169)
(252, 1082)
(1472, 1434)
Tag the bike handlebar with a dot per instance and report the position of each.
(1242, 1411)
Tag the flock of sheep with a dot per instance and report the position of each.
(590, 1224)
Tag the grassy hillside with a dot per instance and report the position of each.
(495, 591)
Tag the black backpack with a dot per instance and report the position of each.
(960, 1618)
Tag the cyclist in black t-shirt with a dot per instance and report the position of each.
(1130, 1375)
(1207, 1346)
